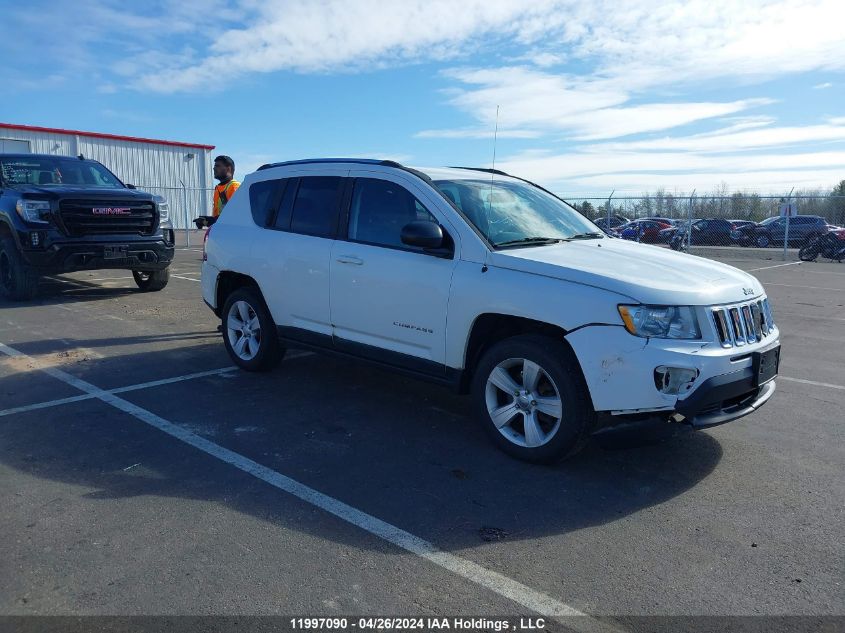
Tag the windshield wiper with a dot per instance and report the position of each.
(586, 236)
(531, 241)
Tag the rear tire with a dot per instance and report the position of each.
(249, 332)
(531, 398)
(151, 280)
(18, 282)
(762, 241)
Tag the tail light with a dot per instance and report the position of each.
(204, 242)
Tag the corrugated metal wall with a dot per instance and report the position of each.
(159, 169)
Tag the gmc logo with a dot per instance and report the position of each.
(111, 211)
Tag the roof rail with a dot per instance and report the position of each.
(359, 161)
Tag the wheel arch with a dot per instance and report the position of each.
(227, 282)
(490, 328)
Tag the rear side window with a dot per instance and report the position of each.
(316, 204)
(264, 200)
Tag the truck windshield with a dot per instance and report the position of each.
(55, 172)
(514, 213)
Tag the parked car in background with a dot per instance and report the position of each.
(665, 236)
(669, 221)
(738, 224)
(615, 221)
(646, 231)
(705, 232)
(772, 231)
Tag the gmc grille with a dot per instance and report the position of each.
(743, 323)
(79, 218)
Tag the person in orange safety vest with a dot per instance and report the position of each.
(224, 171)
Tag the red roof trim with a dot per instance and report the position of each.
(116, 137)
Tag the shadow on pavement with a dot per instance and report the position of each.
(402, 450)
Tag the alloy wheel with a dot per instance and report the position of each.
(243, 330)
(523, 402)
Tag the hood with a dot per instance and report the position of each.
(88, 193)
(647, 274)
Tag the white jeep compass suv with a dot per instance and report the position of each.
(490, 284)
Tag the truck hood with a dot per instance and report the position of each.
(647, 274)
(87, 193)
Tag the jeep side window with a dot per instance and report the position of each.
(316, 204)
(264, 199)
(380, 209)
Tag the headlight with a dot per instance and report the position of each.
(660, 321)
(33, 210)
(163, 209)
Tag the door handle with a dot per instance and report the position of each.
(348, 259)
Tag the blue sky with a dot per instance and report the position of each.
(592, 96)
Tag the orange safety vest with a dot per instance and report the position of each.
(222, 194)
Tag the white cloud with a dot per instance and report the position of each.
(762, 181)
(477, 133)
(340, 35)
(826, 84)
(731, 141)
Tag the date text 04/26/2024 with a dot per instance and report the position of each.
(417, 624)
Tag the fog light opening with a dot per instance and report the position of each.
(674, 380)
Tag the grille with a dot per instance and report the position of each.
(744, 323)
(79, 218)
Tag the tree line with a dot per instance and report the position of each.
(720, 203)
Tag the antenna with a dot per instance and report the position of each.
(495, 138)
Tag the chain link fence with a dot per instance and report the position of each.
(751, 224)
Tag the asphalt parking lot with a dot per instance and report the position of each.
(141, 474)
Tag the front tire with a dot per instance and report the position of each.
(151, 280)
(249, 332)
(17, 281)
(762, 241)
(531, 398)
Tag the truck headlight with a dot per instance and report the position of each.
(660, 321)
(33, 211)
(163, 210)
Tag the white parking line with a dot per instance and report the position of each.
(824, 272)
(186, 278)
(812, 382)
(143, 385)
(752, 270)
(523, 595)
(769, 283)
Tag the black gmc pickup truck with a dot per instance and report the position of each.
(62, 214)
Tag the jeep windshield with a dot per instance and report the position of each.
(47, 171)
(512, 214)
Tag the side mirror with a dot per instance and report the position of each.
(128, 186)
(423, 234)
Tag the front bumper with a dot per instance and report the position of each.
(723, 399)
(61, 257)
(619, 371)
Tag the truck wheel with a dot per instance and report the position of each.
(531, 398)
(17, 281)
(249, 332)
(762, 241)
(151, 280)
